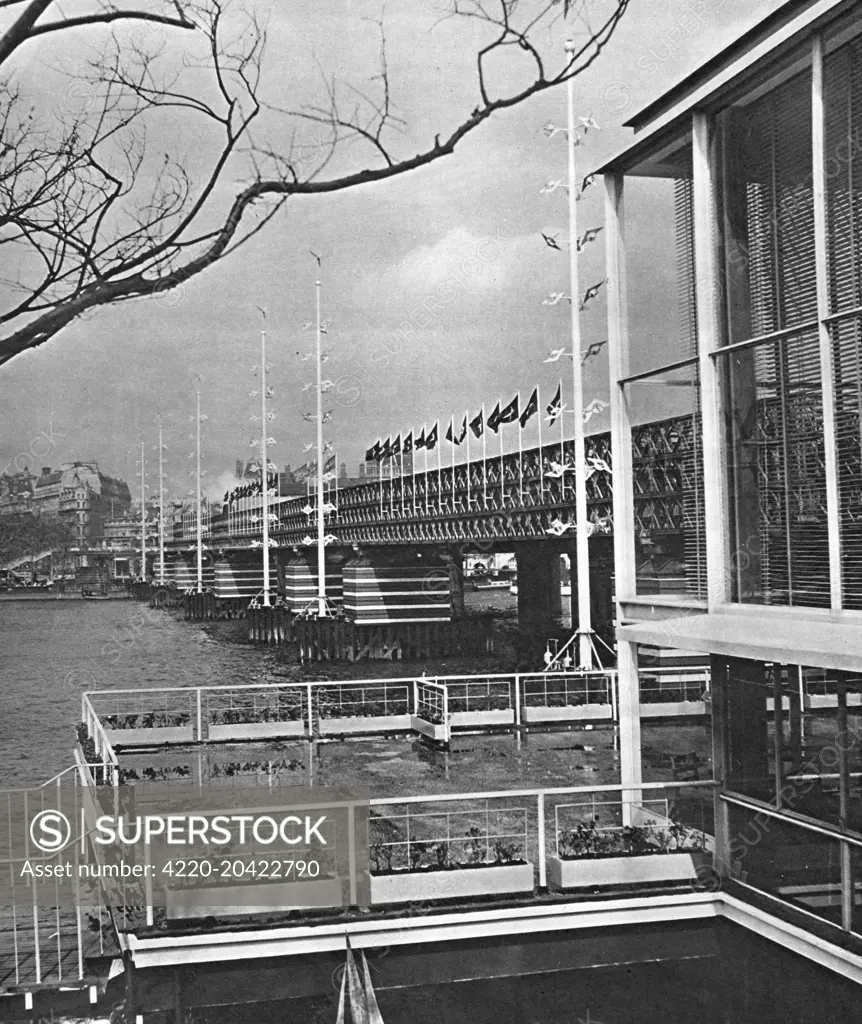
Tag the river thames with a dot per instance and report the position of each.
(53, 651)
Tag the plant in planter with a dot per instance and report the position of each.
(586, 840)
(507, 853)
(475, 846)
(416, 853)
(381, 857)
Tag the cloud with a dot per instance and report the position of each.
(460, 261)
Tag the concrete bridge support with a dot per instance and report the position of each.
(453, 563)
(601, 585)
(539, 578)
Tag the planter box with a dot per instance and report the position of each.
(673, 709)
(588, 872)
(369, 724)
(266, 898)
(501, 716)
(440, 733)
(146, 737)
(256, 730)
(570, 713)
(412, 886)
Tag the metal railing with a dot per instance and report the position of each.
(195, 714)
(41, 942)
(466, 823)
(364, 700)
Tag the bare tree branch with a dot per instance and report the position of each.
(90, 215)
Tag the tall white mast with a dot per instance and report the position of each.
(143, 517)
(161, 509)
(264, 466)
(199, 543)
(585, 651)
(321, 558)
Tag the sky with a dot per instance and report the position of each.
(461, 236)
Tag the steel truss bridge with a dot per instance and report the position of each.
(519, 496)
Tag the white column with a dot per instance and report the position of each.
(585, 650)
(716, 518)
(826, 363)
(321, 555)
(623, 489)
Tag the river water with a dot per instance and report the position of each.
(52, 651)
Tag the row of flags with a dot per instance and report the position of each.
(500, 415)
(309, 469)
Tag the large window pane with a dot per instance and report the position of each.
(767, 211)
(777, 476)
(667, 463)
(798, 865)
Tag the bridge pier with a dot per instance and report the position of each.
(601, 553)
(453, 563)
(539, 598)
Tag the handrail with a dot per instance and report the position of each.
(613, 787)
(481, 677)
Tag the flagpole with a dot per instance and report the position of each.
(520, 455)
(541, 459)
(425, 451)
(198, 528)
(264, 469)
(453, 464)
(502, 470)
(467, 435)
(484, 460)
(562, 446)
(439, 447)
(401, 477)
(413, 473)
(585, 653)
(379, 462)
(161, 511)
(321, 558)
(143, 518)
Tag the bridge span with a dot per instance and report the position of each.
(521, 502)
(517, 496)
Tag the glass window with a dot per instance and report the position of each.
(776, 472)
(667, 464)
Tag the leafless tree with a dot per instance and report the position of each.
(93, 211)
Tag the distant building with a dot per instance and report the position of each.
(16, 493)
(82, 497)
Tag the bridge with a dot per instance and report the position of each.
(517, 496)
(520, 501)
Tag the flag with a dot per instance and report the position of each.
(530, 409)
(477, 426)
(386, 450)
(373, 452)
(420, 440)
(450, 433)
(463, 434)
(395, 448)
(407, 447)
(431, 438)
(554, 408)
(329, 465)
(508, 415)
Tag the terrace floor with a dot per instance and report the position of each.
(393, 766)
